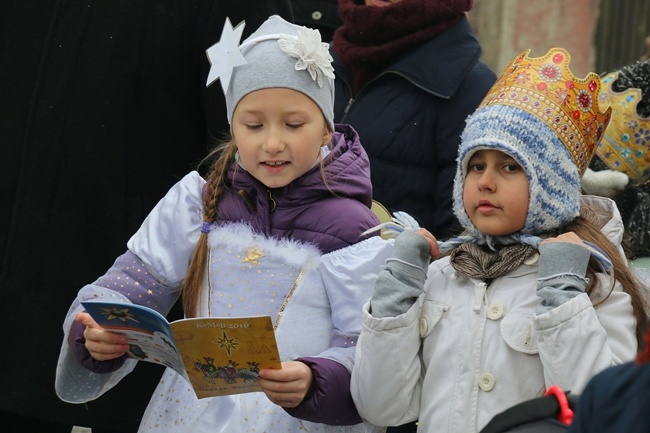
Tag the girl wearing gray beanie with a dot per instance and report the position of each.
(275, 228)
(535, 293)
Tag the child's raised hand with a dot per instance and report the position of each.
(103, 345)
(433, 242)
(569, 237)
(289, 386)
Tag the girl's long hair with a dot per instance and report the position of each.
(216, 184)
(586, 226)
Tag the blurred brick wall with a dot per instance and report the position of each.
(505, 28)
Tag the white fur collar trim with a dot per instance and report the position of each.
(292, 252)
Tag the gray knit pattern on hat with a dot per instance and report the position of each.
(270, 67)
(554, 183)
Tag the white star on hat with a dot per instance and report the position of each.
(224, 56)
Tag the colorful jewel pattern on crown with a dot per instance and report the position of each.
(546, 87)
(626, 144)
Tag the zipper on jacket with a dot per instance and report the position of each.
(347, 108)
(273, 204)
(352, 99)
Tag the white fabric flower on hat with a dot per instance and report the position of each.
(312, 54)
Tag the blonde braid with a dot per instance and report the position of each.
(215, 185)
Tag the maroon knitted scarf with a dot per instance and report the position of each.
(372, 38)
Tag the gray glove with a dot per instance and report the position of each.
(562, 269)
(401, 282)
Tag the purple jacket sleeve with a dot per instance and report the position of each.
(330, 401)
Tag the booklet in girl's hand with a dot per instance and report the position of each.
(216, 355)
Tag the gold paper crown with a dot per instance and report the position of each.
(546, 87)
(626, 143)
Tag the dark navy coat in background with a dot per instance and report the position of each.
(615, 400)
(410, 119)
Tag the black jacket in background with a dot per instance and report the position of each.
(104, 107)
(322, 15)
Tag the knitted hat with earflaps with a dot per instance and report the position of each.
(548, 120)
(554, 183)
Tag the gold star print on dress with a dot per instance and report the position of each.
(253, 255)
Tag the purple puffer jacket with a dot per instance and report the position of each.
(330, 214)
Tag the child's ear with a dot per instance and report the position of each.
(327, 136)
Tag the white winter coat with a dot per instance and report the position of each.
(465, 352)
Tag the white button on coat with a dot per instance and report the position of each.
(424, 327)
(495, 311)
(486, 382)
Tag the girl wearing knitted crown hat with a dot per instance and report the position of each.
(274, 229)
(533, 294)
